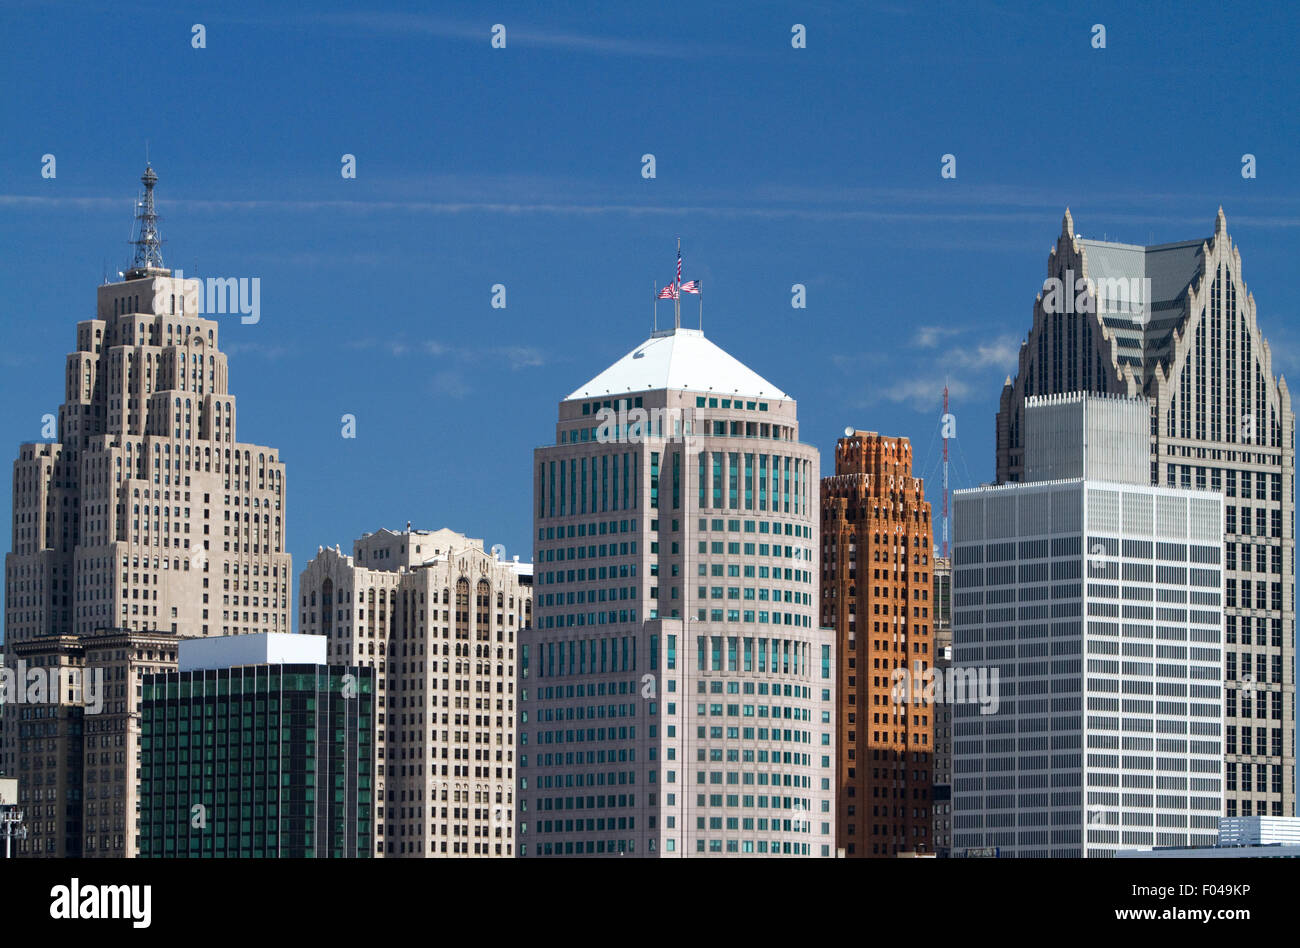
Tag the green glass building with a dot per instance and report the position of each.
(258, 761)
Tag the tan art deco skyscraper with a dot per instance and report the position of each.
(146, 512)
(144, 518)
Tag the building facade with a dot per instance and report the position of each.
(119, 660)
(942, 710)
(254, 747)
(147, 512)
(44, 746)
(76, 749)
(1095, 609)
(439, 619)
(877, 579)
(144, 514)
(1108, 731)
(677, 693)
(1176, 325)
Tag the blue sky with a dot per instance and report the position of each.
(522, 166)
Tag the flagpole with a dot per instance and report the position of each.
(701, 284)
(654, 302)
(677, 289)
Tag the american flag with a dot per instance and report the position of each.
(667, 293)
(679, 264)
(691, 286)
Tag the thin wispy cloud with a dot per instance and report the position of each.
(521, 357)
(514, 356)
(962, 358)
(394, 347)
(1000, 353)
(927, 337)
(519, 36)
(261, 350)
(922, 392)
(854, 361)
(451, 383)
(954, 212)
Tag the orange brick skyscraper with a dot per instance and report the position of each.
(876, 579)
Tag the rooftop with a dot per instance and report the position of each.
(1142, 291)
(681, 360)
(259, 648)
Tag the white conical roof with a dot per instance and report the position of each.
(679, 359)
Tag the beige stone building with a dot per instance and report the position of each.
(439, 618)
(144, 515)
(111, 736)
(77, 754)
(146, 511)
(43, 748)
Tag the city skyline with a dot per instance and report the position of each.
(696, 397)
(382, 486)
(208, 289)
(376, 290)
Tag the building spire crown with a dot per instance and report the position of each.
(148, 259)
(1067, 224)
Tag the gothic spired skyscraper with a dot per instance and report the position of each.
(146, 512)
(1189, 341)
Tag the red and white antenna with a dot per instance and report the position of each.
(945, 422)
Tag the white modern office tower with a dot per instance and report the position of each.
(1099, 604)
(439, 618)
(1177, 325)
(676, 692)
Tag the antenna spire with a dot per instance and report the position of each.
(945, 421)
(148, 259)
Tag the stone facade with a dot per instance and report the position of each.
(439, 618)
(143, 514)
(77, 755)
